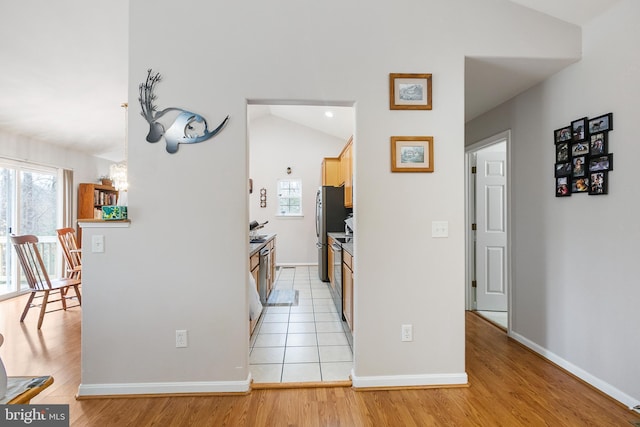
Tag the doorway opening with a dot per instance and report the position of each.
(487, 211)
(304, 340)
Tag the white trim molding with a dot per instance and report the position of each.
(96, 223)
(585, 376)
(85, 390)
(427, 380)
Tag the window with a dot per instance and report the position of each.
(289, 197)
(28, 205)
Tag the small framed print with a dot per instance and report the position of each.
(601, 123)
(411, 154)
(579, 149)
(598, 143)
(562, 134)
(409, 91)
(599, 183)
(579, 129)
(562, 187)
(579, 167)
(601, 163)
(562, 152)
(580, 185)
(563, 169)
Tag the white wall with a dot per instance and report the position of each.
(575, 287)
(183, 262)
(274, 145)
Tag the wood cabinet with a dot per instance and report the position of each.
(338, 171)
(91, 198)
(347, 288)
(254, 267)
(331, 171)
(346, 168)
(263, 267)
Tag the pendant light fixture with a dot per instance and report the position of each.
(118, 171)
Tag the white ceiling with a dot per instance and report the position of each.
(63, 72)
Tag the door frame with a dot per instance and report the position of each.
(469, 190)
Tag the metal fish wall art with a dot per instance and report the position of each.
(186, 128)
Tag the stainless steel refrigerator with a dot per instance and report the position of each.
(330, 216)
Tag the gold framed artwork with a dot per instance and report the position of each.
(409, 91)
(412, 154)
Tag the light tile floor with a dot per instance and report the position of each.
(303, 343)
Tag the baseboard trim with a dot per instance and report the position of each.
(578, 372)
(409, 381)
(164, 388)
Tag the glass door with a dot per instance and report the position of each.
(28, 205)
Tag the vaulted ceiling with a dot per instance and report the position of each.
(63, 71)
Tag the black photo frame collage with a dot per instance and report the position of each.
(583, 160)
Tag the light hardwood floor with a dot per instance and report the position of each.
(509, 386)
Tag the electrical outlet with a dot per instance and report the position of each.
(407, 333)
(181, 338)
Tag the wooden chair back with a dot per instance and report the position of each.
(72, 254)
(42, 287)
(31, 262)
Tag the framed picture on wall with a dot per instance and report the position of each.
(580, 185)
(598, 143)
(579, 149)
(562, 152)
(562, 134)
(601, 123)
(579, 167)
(601, 163)
(411, 154)
(579, 129)
(409, 91)
(563, 188)
(599, 183)
(563, 169)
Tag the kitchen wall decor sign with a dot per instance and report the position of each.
(582, 159)
(409, 91)
(411, 154)
(186, 128)
(263, 197)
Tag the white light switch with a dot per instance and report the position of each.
(97, 243)
(440, 229)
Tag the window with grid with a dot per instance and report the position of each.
(290, 197)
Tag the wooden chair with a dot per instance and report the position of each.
(38, 279)
(72, 254)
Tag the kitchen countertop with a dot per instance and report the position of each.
(345, 246)
(255, 247)
(348, 247)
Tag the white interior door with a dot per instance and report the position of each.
(491, 234)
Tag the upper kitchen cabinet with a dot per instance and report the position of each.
(331, 171)
(346, 167)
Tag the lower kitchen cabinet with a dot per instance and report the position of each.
(347, 288)
(262, 265)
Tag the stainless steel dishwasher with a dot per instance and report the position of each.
(264, 273)
(336, 248)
